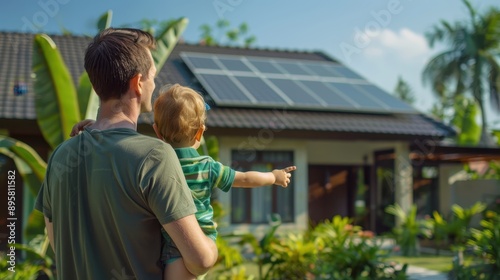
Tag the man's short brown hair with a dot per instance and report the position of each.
(114, 57)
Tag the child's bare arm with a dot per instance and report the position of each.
(252, 179)
(80, 126)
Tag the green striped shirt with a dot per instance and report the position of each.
(203, 174)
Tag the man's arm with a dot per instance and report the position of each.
(50, 232)
(199, 252)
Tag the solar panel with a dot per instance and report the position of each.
(204, 63)
(295, 92)
(344, 72)
(319, 70)
(356, 96)
(262, 91)
(234, 65)
(292, 68)
(265, 67)
(296, 84)
(329, 95)
(384, 97)
(223, 89)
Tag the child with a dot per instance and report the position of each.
(179, 119)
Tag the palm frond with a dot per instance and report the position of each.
(494, 83)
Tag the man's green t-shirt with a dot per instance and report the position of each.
(107, 194)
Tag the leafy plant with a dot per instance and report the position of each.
(293, 257)
(227, 35)
(440, 231)
(347, 252)
(486, 250)
(460, 222)
(492, 173)
(469, 66)
(409, 229)
(262, 248)
(37, 262)
(229, 256)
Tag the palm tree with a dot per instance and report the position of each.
(470, 64)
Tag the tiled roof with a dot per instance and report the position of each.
(15, 65)
(407, 125)
(16, 50)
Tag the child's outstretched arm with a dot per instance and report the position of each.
(80, 126)
(252, 179)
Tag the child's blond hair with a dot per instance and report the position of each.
(179, 112)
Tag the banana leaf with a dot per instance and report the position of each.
(87, 98)
(55, 94)
(31, 168)
(166, 41)
(105, 20)
(20, 152)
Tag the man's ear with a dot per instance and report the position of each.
(157, 131)
(135, 83)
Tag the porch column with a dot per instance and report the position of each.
(403, 177)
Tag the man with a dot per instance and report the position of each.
(108, 191)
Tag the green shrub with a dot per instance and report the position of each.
(347, 252)
(409, 229)
(32, 265)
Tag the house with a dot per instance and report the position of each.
(357, 148)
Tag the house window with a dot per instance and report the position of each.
(257, 204)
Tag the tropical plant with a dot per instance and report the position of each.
(459, 228)
(404, 92)
(261, 249)
(229, 255)
(460, 222)
(408, 230)
(226, 35)
(485, 243)
(36, 265)
(496, 134)
(470, 65)
(440, 231)
(491, 173)
(466, 111)
(294, 257)
(347, 252)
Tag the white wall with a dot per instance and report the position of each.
(448, 174)
(344, 152)
(467, 193)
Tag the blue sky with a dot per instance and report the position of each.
(380, 39)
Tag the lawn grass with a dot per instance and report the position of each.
(432, 262)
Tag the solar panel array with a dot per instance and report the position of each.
(248, 81)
